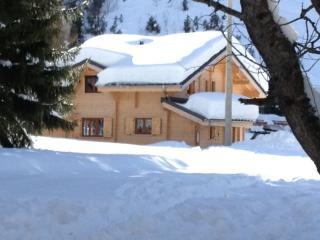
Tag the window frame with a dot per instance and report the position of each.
(99, 129)
(212, 133)
(86, 89)
(145, 129)
(191, 88)
(213, 86)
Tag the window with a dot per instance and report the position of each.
(192, 88)
(215, 132)
(236, 134)
(143, 126)
(90, 84)
(92, 127)
(213, 86)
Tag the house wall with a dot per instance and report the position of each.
(133, 105)
(182, 129)
(238, 134)
(121, 108)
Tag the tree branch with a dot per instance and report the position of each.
(316, 4)
(257, 101)
(218, 6)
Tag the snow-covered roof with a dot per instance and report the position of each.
(211, 105)
(270, 118)
(169, 59)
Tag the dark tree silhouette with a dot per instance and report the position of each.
(36, 84)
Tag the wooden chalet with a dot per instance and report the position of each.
(144, 113)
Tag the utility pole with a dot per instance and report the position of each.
(228, 84)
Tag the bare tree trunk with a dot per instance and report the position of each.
(316, 4)
(284, 67)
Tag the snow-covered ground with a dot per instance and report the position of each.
(69, 189)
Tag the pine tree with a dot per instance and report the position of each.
(114, 27)
(196, 23)
(214, 23)
(153, 26)
(76, 35)
(96, 24)
(185, 5)
(187, 25)
(35, 83)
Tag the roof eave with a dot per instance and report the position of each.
(198, 118)
(141, 88)
(93, 64)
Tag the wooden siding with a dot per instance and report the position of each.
(215, 76)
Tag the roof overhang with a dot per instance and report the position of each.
(91, 64)
(249, 76)
(140, 88)
(174, 87)
(198, 118)
(215, 60)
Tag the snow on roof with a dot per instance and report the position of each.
(270, 118)
(211, 105)
(169, 59)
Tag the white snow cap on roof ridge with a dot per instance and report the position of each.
(211, 105)
(168, 59)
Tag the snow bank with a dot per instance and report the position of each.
(212, 106)
(281, 142)
(70, 189)
(169, 15)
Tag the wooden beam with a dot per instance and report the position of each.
(168, 124)
(116, 98)
(136, 99)
(173, 88)
(220, 123)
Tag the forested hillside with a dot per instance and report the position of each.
(151, 17)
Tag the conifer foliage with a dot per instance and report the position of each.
(35, 84)
(95, 17)
(187, 25)
(185, 5)
(215, 23)
(153, 26)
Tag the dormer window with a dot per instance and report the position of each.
(90, 84)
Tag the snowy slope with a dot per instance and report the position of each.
(69, 189)
(169, 14)
(170, 17)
